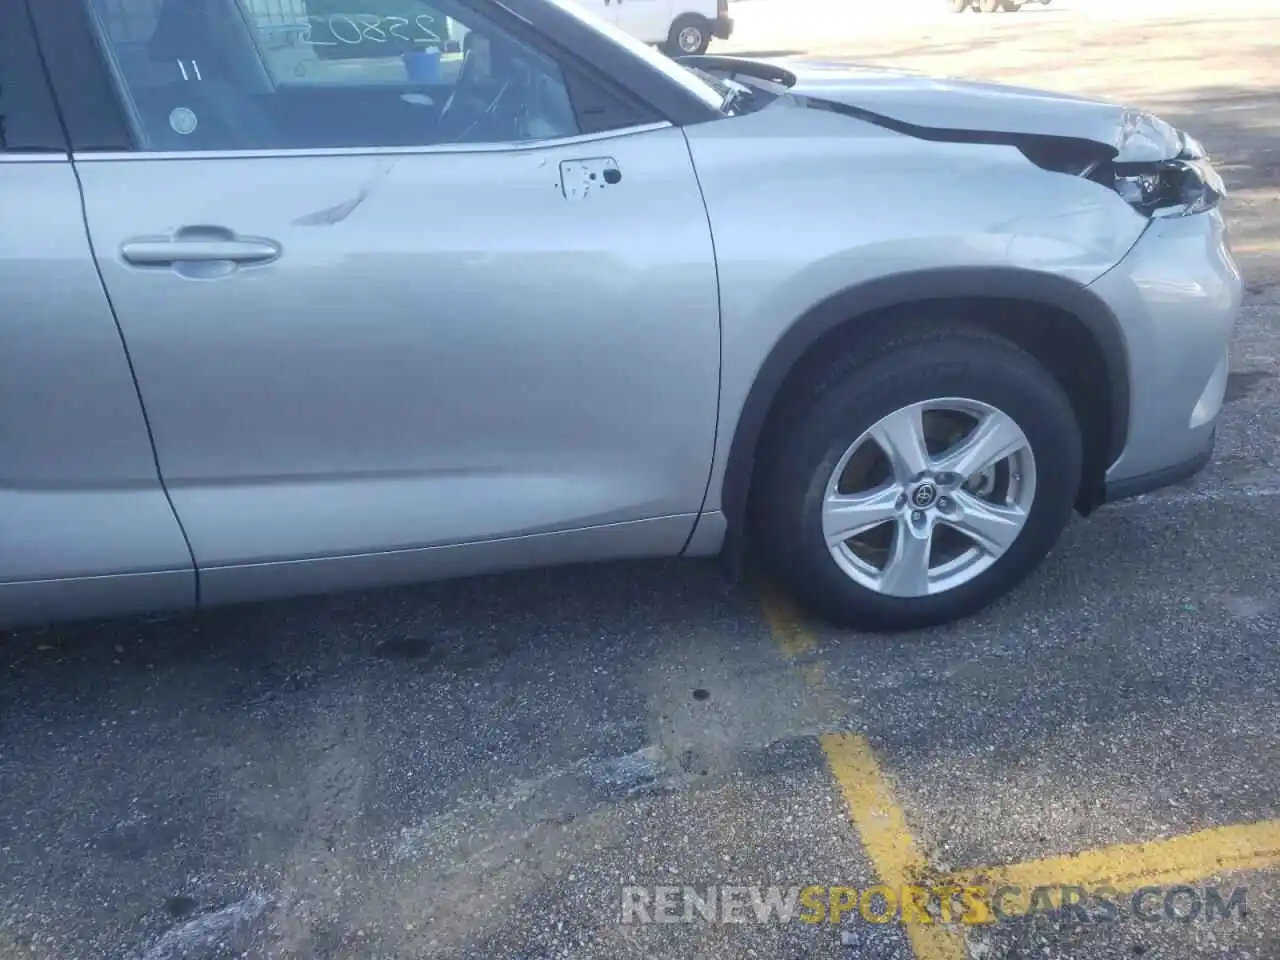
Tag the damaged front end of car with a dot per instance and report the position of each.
(1158, 170)
(1184, 185)
(1154, 167)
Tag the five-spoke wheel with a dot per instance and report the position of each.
(929, 497)
(923, 477)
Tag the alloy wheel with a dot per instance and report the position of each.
(929, 497)
(689, 39)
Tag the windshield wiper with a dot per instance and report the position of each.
(732, 93)
(738, 97)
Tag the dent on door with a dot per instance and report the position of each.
(511, 356)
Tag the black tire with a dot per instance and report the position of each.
(807, 439)
(684, 27)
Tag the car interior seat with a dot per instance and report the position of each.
(205, 98)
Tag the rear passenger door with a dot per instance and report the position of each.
(395, 310)
(85, 527)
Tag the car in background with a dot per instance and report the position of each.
(992, 6)
(678, 27)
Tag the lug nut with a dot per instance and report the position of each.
(944, 503)
(917, 515)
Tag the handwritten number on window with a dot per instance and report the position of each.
(424, 26)
(372, 28)
(355, 29)
(307, 31)
(350, 32)
(397, 24)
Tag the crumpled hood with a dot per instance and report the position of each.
(945, 103)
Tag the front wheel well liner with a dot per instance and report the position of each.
(1058, 321)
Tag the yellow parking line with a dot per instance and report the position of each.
(880, 822)
(882, 827)
(899, 862)
(785, 623)
(1127, 867)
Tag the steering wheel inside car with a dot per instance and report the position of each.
(482, 104)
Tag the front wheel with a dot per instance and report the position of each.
(918, 483)
(690, 36)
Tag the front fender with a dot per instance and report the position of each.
(732, 479)
(819, 219)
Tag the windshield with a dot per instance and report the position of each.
(659, 61)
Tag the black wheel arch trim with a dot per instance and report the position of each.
(900, 290)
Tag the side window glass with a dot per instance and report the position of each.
(316, 74)
(2, 112)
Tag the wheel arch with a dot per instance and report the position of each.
(686, 15)
(1057, 320)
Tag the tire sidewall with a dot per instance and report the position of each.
(683, 23)
(1021, 390)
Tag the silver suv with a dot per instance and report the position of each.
(296, 299)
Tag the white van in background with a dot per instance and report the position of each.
(679, 27)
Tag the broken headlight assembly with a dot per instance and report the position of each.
(1185, 185)
(1159, 171)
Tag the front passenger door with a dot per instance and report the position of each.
(352, 353)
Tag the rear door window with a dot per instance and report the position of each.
(2, 100)
(28, 121)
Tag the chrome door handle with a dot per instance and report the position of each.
(199, 245)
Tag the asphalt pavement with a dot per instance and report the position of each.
(480, 769)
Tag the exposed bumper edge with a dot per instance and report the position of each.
(722, 28)
(1159, 479)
